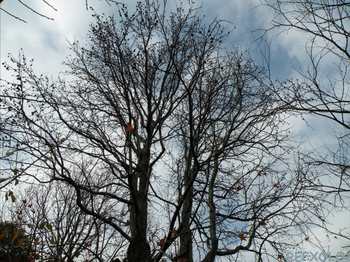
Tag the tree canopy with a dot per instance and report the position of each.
(167, 137)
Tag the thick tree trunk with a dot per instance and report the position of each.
(139, 249)
(186, 249)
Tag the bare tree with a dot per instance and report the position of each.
(64, 232)
(109, 2)
(324, 89)
(326, 22)
(31, 9)
(181, 136)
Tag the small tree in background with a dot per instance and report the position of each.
(324, 88)
(12, 246)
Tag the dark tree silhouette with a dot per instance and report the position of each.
(324, 88)
(182, 136)
(10, 249)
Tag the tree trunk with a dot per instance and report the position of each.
(139, 249)
(186, 235)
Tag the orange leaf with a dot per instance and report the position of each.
(306, 238)
(265, 174)
(174, 231)
(279, 256)
(262, 223)
(128, 127)
(242, 237)
(127, 223)
(238, 188)
(161, 242)
(276, 185)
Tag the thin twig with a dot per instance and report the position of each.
(35, 11)
(13, 15)
(50, 5)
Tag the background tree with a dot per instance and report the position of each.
(180, 139)
(65, 233)
(11, 246)
(324, 88)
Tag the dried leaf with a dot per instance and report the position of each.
(52, 241)
(174, 231)
(20, 242)
(161, 242)
(42, 225)
(242, 237)
(16, 182)
(36, 241)
(9, 153)
(62, 140)
(3, 180)
(262, 223)
(128, 128)
(15, 236)
(13, 198)
(127, 223)
(49, 226)
(3, 234)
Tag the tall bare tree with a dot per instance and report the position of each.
(182, 136)
(324, 87)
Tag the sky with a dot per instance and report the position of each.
(47, 41)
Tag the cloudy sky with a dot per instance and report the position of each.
(47, 42)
